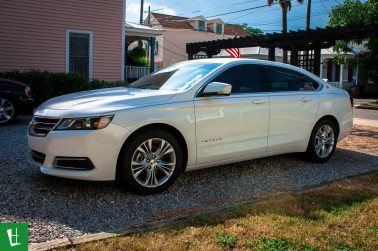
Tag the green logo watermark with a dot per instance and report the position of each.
(13, 236)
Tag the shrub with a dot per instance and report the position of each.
(46, 85)
(137, 57)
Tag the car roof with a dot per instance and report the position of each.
(231, 61)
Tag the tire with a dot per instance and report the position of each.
(323, 141)
(140, 162)
(8, 110)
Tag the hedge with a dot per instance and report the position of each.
(46, 85)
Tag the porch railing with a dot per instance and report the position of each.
(136, 72)
(344, 85)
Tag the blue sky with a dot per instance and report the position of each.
(268, 19)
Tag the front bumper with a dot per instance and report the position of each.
(101, 147)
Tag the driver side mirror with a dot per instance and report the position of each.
(216, 88)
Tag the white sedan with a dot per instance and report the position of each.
(187, 116)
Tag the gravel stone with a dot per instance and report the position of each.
(57, 208)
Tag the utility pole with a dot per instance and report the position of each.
(306, 53)
(141, 19)
(141, 11)
(308, 15)
(149, 15)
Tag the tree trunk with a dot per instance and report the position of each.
(284, 30)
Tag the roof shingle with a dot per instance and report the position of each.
(176, 22)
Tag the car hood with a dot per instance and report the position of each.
(101, 101)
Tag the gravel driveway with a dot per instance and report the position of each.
(57, 208)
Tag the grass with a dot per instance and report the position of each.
(340, 216)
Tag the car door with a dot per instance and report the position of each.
(294, 103)
(236, 125)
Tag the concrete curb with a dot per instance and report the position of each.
(48, 245)
(366, 107)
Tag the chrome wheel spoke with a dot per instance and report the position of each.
(329, 140)
(166, 149)
(2, 102)
(9, 108)
(148, 178)
(7, 116)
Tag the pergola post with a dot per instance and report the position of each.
(190, 56)
(152, 55)
(317, 61)
(272, 54)
(294, 56)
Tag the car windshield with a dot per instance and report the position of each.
(177, 77)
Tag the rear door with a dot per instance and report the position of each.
(237, 125)
(294, 104)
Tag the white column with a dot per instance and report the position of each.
(321, 68)
(341, 74)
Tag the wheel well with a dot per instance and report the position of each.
(176, 133)
(334, 120)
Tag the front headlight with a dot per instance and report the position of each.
(88, 123)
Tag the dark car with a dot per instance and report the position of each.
(15, 98)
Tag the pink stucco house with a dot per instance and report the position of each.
(64, 36)
(171, 46)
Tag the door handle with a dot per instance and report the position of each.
(305, 99)
(259, 101)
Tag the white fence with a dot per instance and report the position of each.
(136, 72)
(344, 85)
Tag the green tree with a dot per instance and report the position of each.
(251, 31)
(285, 7)
(354, 12)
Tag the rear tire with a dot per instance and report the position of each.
(150, 162)
(8, 110)
(323, 142)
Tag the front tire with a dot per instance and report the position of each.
(150, 162)
(323, 142)
(8, 110)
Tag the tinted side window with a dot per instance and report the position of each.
(284, 80)
(310, 84)
(244, 78)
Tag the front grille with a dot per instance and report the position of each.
(40, 127)
(37, 157)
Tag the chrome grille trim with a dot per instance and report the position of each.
(40, 127)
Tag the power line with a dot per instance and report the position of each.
(290, 19)
(268, 11)
(232, 12)
(324, 7)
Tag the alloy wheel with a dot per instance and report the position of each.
(6, 110)
(153, 162)
(324, 141)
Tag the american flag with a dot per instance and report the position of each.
(234, 52)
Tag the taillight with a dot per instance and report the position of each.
(351, 100)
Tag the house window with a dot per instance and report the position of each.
(156, 47)
(201, 25)
(79, 52)
(219, 29)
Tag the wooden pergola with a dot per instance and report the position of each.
(305, 46)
